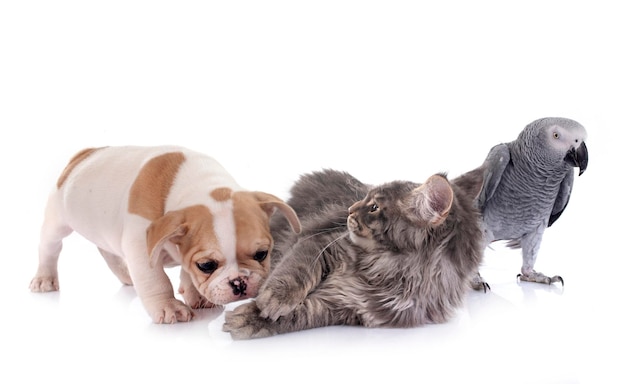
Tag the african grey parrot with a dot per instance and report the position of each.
(527, 185)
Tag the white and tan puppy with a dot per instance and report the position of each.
(147, 208)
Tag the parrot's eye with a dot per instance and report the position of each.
(555, 135)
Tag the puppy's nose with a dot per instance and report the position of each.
(239, 286)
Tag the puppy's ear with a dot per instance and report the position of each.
(269, 203)
(170, 227)
(433, 200)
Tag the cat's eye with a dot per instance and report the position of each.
(374, 207)
(207, 267)
(260, 255)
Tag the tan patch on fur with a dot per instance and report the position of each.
(74, 161)
(249, 217)
(191, 228)
(253, 233)
(151, 188)
(221, 194)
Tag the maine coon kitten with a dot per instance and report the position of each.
(403, 255)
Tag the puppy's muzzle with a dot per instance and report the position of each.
(239, 286)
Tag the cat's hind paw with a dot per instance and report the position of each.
(478, 284)
(244, 322)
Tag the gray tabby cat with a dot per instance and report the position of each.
(403, 255)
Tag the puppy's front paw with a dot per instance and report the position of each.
(47, 283)
(278, 298)
(245, 322)
(194, 299)
(169, 311)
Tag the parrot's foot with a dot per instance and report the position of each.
(538, 277)
(478, 284)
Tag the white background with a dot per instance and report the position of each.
(272, 89)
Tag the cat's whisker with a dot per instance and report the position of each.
(324, 230)
(329, 244)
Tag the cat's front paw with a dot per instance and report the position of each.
(245, 322)
(279, 298)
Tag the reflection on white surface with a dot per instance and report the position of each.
(98, 330)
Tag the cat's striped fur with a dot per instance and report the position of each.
(402, 256)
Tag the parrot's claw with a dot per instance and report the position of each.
(558, 278)
(537, 277)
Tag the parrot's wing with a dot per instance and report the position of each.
(562, 198)
(494, 165)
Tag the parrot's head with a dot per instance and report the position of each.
(562, 140)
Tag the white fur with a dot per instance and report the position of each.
(93, 201)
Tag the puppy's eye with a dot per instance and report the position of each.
(260, 255)
(555, 135)
(207, 267)
(374, 207)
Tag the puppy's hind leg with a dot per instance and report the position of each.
(53, 231)
(117, 265)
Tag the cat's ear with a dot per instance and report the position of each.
(433, 200)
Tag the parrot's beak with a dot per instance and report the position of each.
(578, 157)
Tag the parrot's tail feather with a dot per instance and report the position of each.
(514, 244)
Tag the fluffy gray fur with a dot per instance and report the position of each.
(403, 255)
(528, 183)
